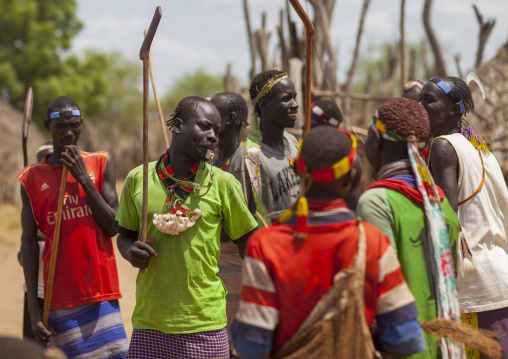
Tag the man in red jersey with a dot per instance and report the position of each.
(290, 267)
(84, 307)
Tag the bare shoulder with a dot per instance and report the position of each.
(442, 148)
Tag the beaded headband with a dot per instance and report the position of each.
(447, 90)
(268, 86)
(319, 112)
(388, 134)
(414, 83)
(64, 114)
(334, 171)
(44, 148)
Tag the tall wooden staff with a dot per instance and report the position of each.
(54, 248)
(144, 55)
(27, 118)
(309, 33)
(156, 97)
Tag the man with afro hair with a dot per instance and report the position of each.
(411, 211)
(471, 177)
(264, 163)
(292, 267)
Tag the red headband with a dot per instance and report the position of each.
(336, 170)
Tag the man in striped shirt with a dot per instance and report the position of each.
(290, 266)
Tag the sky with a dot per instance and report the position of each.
(209, 34)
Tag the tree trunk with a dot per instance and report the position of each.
(485, 29)
(349, 84)
(250, 36)
(439, 65)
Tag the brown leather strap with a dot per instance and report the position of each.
(481, 184)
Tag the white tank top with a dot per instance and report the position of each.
(484, 224)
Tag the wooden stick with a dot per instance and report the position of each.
(54, 248)
(403, 64)
(144, 55)
(27, 118)
(309, 33)
(156, 96)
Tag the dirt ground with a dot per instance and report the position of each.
(11, 276)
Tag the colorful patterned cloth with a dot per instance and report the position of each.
(152, 344)
(402, 220)
(90, 331)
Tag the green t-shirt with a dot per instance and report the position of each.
(180, 292)
(403, 221)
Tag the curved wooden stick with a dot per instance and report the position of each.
(309, 34)
(144, 55)
(27, 118)
(157, 102)
(54, 248)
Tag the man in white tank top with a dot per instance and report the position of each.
(472, 180)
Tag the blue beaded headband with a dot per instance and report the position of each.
(65, 114)
(447, 90)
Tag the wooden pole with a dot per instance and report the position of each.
(349, 84)
(157, 102)
(251, 39)
(144, 55)
(54, 249)
(309, 33)
(403, 62)
(27, 118)
(485, 29)
(439, 64)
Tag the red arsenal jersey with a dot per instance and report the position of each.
(86, 266)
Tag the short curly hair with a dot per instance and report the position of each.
(405, 117)
(237, 104)
(185, 108)
(61, 102)
(322, 147)
(259, 81)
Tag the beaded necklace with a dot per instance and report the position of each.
(229, 161)
(174, 218)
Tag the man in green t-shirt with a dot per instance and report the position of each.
(180, 302)
(410, 210)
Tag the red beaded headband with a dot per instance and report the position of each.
(336, 170)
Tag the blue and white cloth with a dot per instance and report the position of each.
(90, 331)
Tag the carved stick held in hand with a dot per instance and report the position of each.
(144, 55)
(54, 248)
(157, 102)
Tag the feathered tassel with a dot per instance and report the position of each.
(302, 216)
(482, 340)
(466, 261)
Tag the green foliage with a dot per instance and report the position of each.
(104, 85)
(199, 83)
(123, 98)
(33, 35)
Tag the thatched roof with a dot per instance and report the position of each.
(12, 154)
(491, 114)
